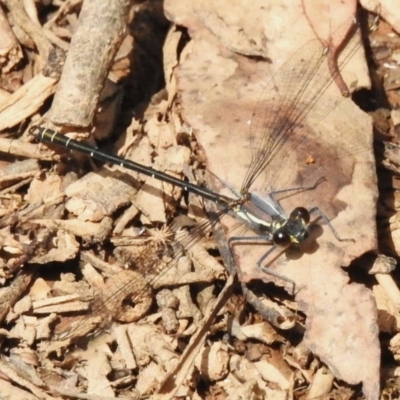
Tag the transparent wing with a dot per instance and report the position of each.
(114, 301)
(290, 98)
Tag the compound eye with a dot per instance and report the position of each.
(281, 238)
(300, 213)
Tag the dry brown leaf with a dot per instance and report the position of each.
(96, 196)
(10, 49)
(18, 171)
(388, 314)
(342, 148)
(321, 385)
(26, 101)
(67, 248)
(263, 332)
(213, 361)
(390, 11)
(43, 190)
(39, 290)
(95, 370)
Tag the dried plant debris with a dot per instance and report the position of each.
(112, 285)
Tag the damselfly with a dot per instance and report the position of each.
(264, 216)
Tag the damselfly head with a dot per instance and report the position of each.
(282, 238)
